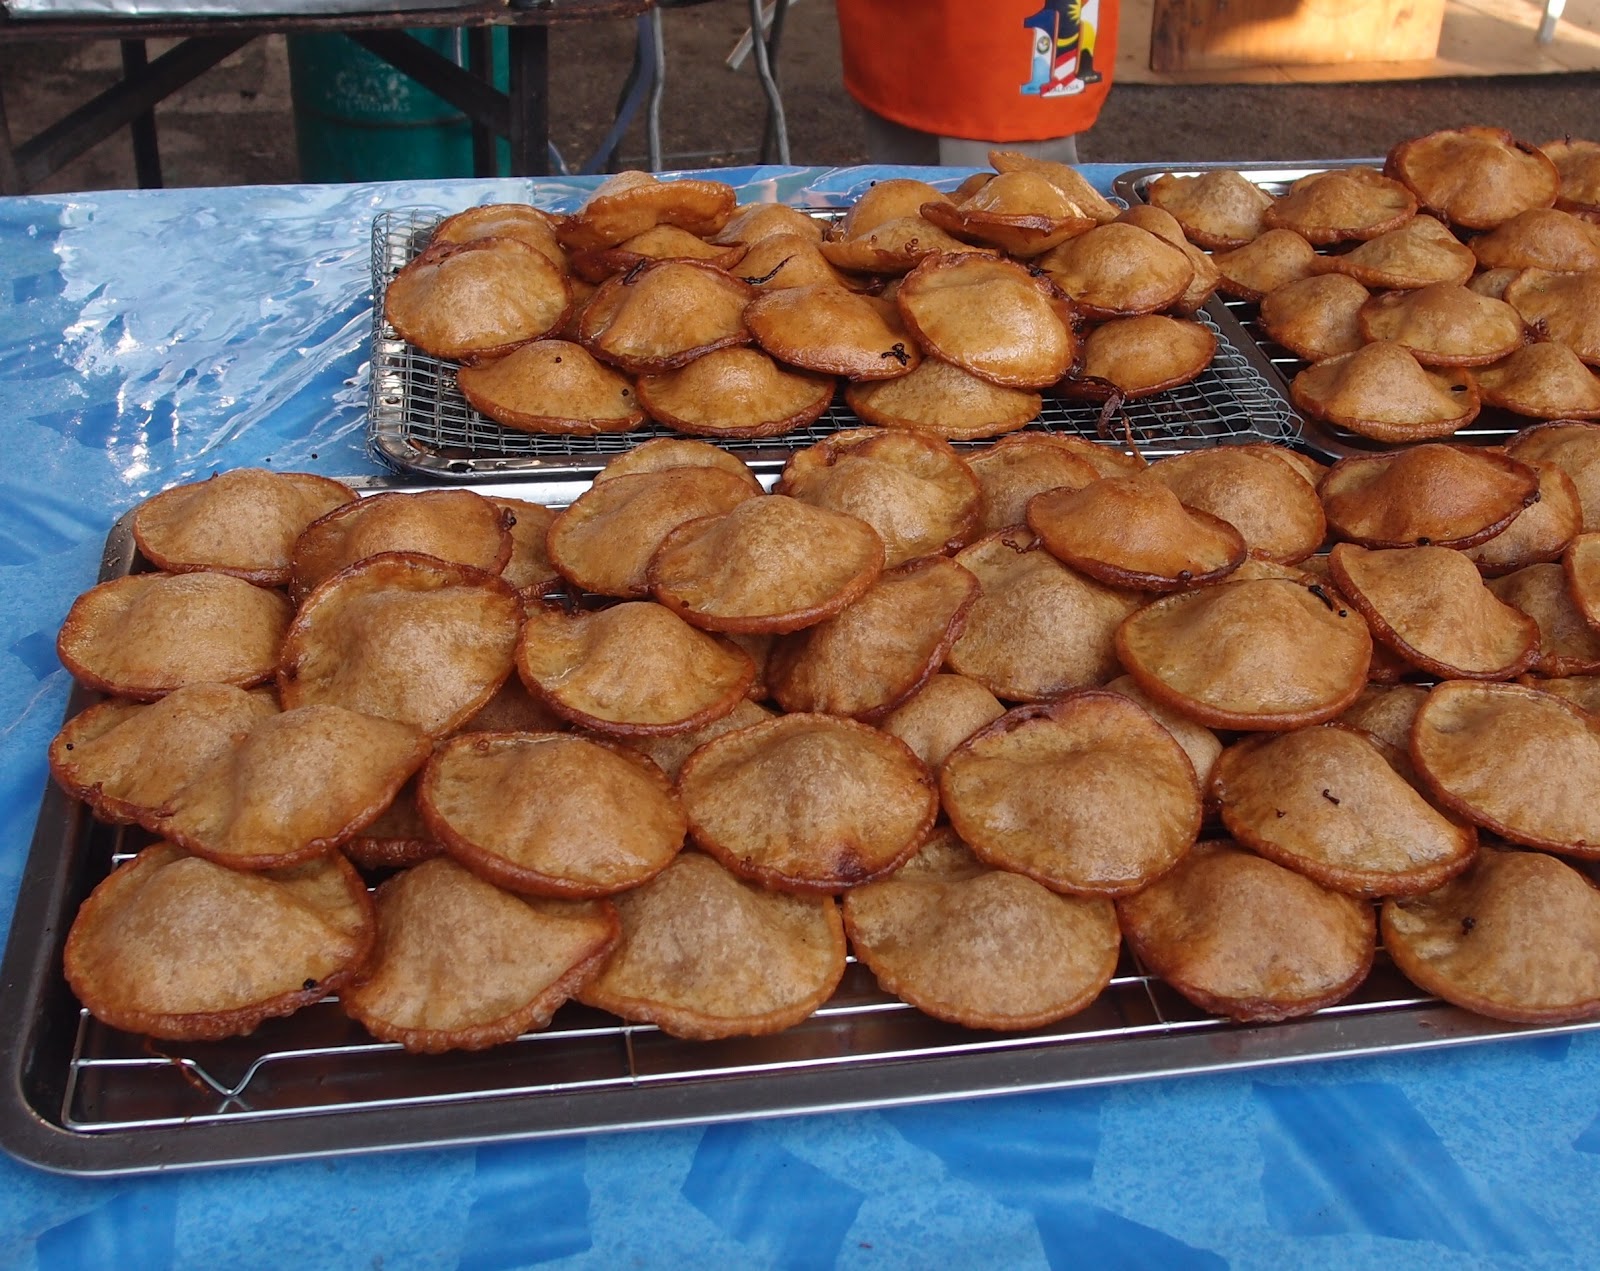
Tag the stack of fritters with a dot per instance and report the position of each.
(943, 314)
(1464, 276)
(645, 768)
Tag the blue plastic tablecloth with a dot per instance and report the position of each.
(152, 337)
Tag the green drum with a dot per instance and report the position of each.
(356, 118)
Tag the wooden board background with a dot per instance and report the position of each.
(1477, 37)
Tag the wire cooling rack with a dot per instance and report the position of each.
(80, 1097)
(1241, 320)
(418, 422)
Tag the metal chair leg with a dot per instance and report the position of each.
(652, 123)
(777, 126)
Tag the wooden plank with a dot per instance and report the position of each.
(1221, 34)
(1478, 37)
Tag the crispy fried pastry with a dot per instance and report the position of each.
(1277, 257)
(1540, 532)
(1021, 213)
(124, 757)
(943, 400)
(1198, 742)
(1342, 204)
(1315, 318)
(1262, 497)
(1384, 712)
(676, 452)
(1581, 561)
(631, 202)
(1578, 163)
(459, 526)
(1475, 178)
(735, 393)
(1381, 391)
(913, 489)
(670, 751)
(834, 331)
(753, 222)
(659, 242)
(1444, 324)
(461, 965)
(529, 570)
(1520, 763)
(1138, 357)
(1546, 381)
(397, 839)
(788, 260)
(1430, 605)
(1540, 238)
(1119, 270)
(1517, 937)
(1327, 804)
(293, 787)
(551, 814)
(886, 201)
(1132, 532)
(635, 669)
(534, 226)
(1568, 645)
(1063, 176)
(1088, 795)
(869, 658)
(479, 299)
(1574, 447)
(604, 541)
(705, 955)
(403, 636)
(991, 317)
(1164, 225)
(1418, 253)
(1243, 937)
(243, 522)
(1560, 307)
(552, 386)
(1219, 209)
(1265, 653)
(1583, 691)
(981, 947)
(894, 246)
(1438, 495)
(1016, 468)
(181, 949)
(1038, 629)
(808, 803)
(772, 564)
(941, 715)
(146, 634)
(661, 316)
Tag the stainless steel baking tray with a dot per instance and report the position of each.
(418, 422)
(83, 1098)
(1240, 319)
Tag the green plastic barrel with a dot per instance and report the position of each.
(356, 118)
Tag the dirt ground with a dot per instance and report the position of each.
(235, 124)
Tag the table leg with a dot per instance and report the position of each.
(480, 60)
(10, 179)
(146, 150)
(769, 135)
(530, 101)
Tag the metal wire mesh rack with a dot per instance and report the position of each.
(81, 1097)
(1241, 319)
(418, 421)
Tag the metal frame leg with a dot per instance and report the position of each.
(10, 178)
(530, 85)
(480, 61)
(146, 150)
(777, 127)
(771, 133)
(1547, 24)
(658, 88)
